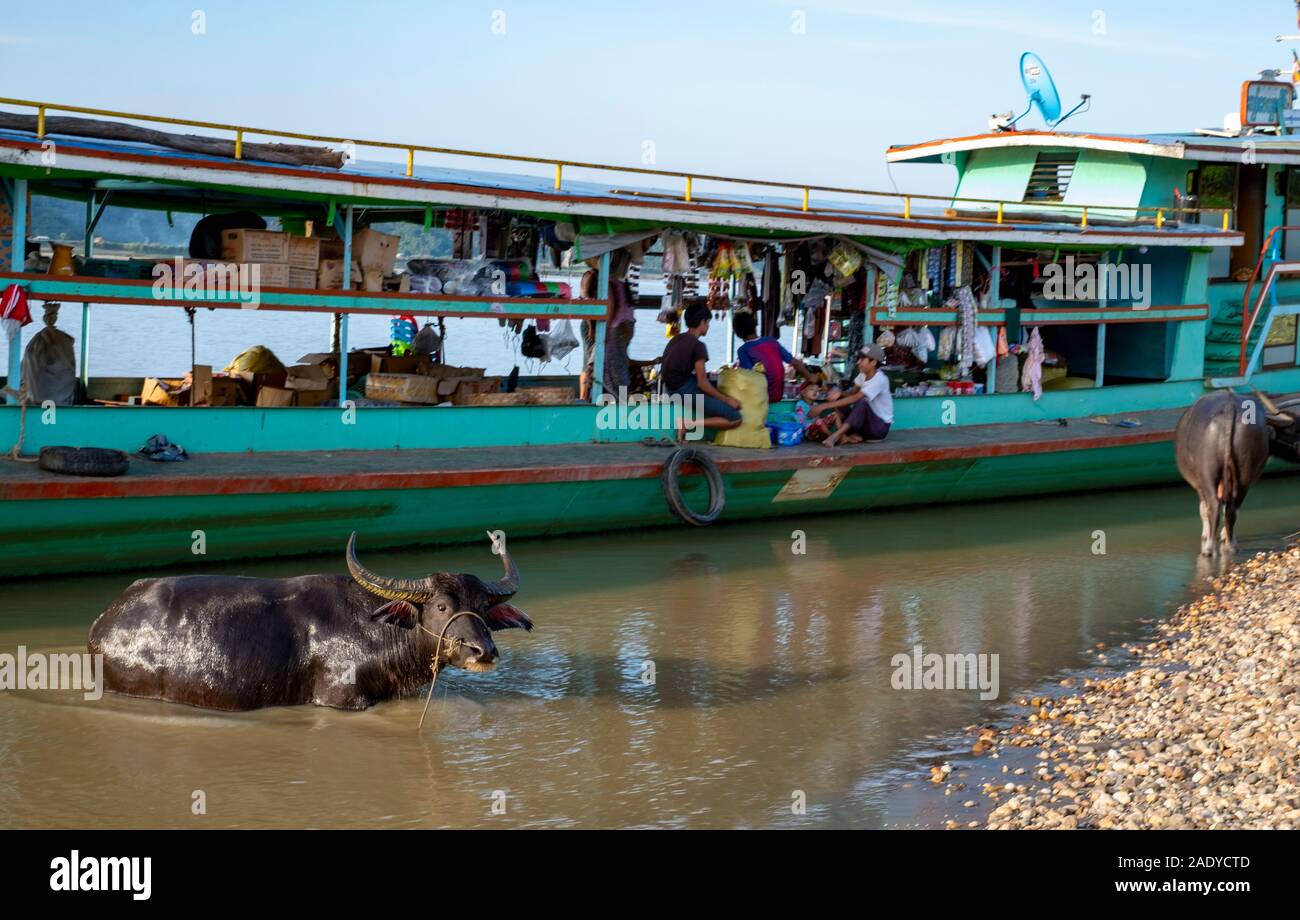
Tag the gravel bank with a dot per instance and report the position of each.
(1203, 731)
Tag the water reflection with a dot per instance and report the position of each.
(676, 678)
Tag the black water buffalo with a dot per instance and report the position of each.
(232, 643)
(1222, 444)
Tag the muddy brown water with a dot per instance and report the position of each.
(676, 678)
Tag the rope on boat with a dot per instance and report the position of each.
(21, 396)
(435, 666)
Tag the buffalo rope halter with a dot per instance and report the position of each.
(452, 644)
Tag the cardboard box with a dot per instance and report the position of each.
(226, 391)
(302, 278)
(268, 274)
(304, 252)
(307, 377)
(252, 384)
(158, 391)
(387, 364)
(255, 246)
(372, 280)
(327, 361)
(307, 399)
(406, 388)
(271, 397)
(375, 251)
(201, 385)
(329, 277)
(462, 390)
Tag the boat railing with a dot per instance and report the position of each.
(999, 211)
(1251, 309)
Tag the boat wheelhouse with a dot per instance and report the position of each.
(289, 479)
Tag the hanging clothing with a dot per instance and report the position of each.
(1031, 375)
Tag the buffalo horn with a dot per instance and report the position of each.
(1275, 415)
(394, 589)
(509, 585)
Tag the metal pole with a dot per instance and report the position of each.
(16, 260)
(83, 361)
(343, 320)
(598, 344)
(995, 302)
(1102, 281)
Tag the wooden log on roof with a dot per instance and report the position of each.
(286, 154)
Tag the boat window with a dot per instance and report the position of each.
(1214, 185)
(1291, 245)
(1050, 179)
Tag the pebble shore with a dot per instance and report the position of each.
(1202, 731)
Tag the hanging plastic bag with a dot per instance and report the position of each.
(427, 341)
(925, 345)
(846, 259)
(561, 341)
(985, 349)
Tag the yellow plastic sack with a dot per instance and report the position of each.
(256, 360)
(750, 387)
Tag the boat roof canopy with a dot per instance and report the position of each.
(157, 177)
(1207, 146)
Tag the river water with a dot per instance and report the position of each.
(676, 678)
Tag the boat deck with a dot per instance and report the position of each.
(317, 471)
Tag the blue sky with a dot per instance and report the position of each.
(807, 90)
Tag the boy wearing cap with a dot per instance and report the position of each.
(870, 406)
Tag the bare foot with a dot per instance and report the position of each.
(853, 439)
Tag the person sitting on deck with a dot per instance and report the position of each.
(768, 352)
(870, 405)
(683, 374)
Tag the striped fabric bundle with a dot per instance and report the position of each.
(533, 288)
(515, 269)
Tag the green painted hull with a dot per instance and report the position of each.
(77, 535)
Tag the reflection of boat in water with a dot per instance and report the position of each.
(1151, 315)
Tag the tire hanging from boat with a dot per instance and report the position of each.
(673, 492)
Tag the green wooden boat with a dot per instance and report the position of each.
(1215, 307)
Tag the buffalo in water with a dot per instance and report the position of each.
(232, 643)
(1222, 444)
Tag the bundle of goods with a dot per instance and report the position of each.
(750, 387)
(534, 288)
(433, 385)
(481, 278)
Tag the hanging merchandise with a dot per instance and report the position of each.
(985, 348)
(427, 341)
(561, 341)
(919, 340)
(14, 313)
(966, 308)
(532, 345)
(846, 260)
(1003, 348)
(857, 330)
(947, 343)
(667, 312)
(402, 331)
(886, 339)
(1031, 375)
(50, 364)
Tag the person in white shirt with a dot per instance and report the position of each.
(870, 407)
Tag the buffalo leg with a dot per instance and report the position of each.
(1209, 528)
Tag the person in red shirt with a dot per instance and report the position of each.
(768, 352)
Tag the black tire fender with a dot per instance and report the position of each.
(83, 461)
(673, 492)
